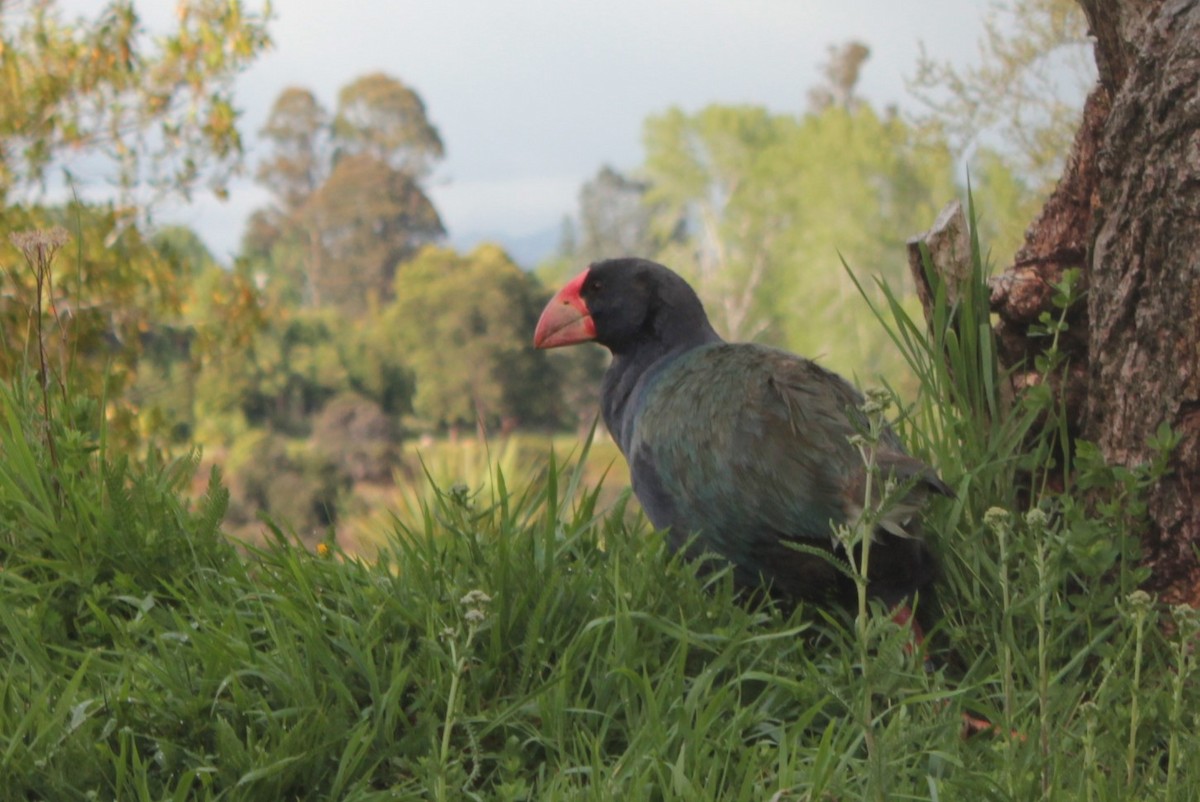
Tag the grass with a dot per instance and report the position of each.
(471, 465)
(522, 640)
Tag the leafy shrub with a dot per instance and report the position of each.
(356, 435)
(294, 485)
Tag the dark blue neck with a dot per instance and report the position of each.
(633, 371)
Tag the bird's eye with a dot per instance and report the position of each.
(596, 285)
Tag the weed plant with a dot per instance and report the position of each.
(522, 643)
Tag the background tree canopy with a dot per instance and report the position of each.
(160, 112)
(463, 323)
(349, 204)
(772, 204)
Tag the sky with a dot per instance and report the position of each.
(532, 97)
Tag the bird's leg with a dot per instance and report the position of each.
(902, 614)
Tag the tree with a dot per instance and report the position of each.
(841, 73)
(381, 117)
(368, 217)
(171, 346)
(160, 111)
(463, 323)
(299, 490)
(349, 204)
(359, 438)
(375, 367)
(1127, 213)
(616, 218)
(1015, 113)
(772, 204)
(298, 131)
(713, 170)
(152, 115)
(1025, 94)
(183, 248)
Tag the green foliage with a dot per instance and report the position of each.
(160, 109)
(171, 346)
(87, 537)
(290, 371)
(463, 323)
(153, 115)
(183, 248)
(356, 434)
(297, 487)
(771, 200)
(375, 367)
(226, 317)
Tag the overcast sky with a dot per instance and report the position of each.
(532, 96)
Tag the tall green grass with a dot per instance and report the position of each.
(526, 642)
(473, 466)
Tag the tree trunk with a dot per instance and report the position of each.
(1127, 212)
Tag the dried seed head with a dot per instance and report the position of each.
(39, 245)
(475, 598)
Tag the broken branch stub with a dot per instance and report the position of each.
(948, 244)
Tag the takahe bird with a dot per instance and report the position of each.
(739, 449)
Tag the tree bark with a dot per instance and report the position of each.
(1127, 212)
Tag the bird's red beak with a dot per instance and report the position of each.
(566, 320)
